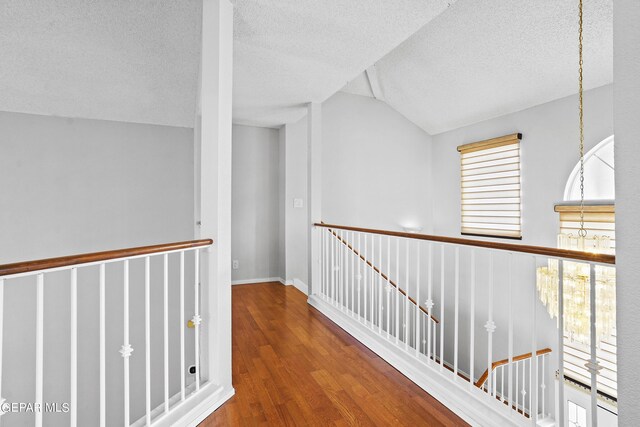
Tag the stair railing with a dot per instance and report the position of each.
(396, 284)
(168, 271)
(522, 371)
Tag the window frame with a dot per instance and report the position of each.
(515, 180)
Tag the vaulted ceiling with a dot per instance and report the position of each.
(290, 52)
(483, 59)
(441, 63)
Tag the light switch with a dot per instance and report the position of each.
(298, 203)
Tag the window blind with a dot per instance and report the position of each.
(490, 187)
(599, 220)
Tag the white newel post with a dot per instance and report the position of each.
(212, 136)
(314, 190)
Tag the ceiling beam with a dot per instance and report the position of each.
(374, 83)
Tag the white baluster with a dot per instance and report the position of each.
(441, 307)
(1, 338)
(103, 369)
(560, 353)
(166, 330)
(435, 338)
(429, 304)
(39, 346)
(533, 386)
(405, 326)
(322, 263)
(510, 321)
(524, 389)
(490, 327)
(418, 311)
(388, 293)
(502, 383)
(543, 386)
(126, 348)
(516, 368)
(397, 293)
(493, 383)
(353, 274)
(333, 269)
(147, 339)
(472, 317)
(370, 281)
(456, 312)
(593, 364)
(380, 303)
(74, 349)
(339, 273)
(359, 277)
(182, 325)
(196, 317)
(366, 282)
(345, 273)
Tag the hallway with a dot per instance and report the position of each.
(293, 366)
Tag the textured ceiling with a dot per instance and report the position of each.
(138, 61)
(290, 52)
(483, 59)
(125, 60)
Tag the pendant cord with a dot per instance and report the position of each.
(582, 232)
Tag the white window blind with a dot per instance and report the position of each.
(490, 187)
(599, 220)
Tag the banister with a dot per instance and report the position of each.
(502, 362)
(511, 247)
(48, 263)
(384, 276)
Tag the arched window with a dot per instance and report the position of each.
(599, 183)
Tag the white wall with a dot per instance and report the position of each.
(627, 124)
(296, 219)
(72, 186)
(376, 166)
(256, 212)
(549, 153)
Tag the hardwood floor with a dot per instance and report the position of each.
(293, 366)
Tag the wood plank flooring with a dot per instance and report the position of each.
(293, 366)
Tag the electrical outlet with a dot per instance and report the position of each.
(298, 203)
(236, 264)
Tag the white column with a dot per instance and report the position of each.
(213, 186)
(314, 188)
(626, 68)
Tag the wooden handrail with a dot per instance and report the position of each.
(384, 276)
(43, 264)
(502, 362)
(527, 249)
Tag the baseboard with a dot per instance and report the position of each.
(193, 410)
(298, 284)
(470, 405)
(261, 280)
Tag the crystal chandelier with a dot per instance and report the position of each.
(576, 275)
(576, 290)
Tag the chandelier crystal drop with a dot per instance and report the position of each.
(576, 289)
